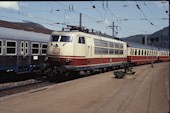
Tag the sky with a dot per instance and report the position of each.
(129, 17)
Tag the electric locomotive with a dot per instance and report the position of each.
(80, 50)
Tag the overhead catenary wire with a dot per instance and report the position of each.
(151, 11)
(119, 20)
(145, 16)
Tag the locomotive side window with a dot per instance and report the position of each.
(111, 51)
(81, 40)
(11, 47)
(55, 38)
(104, 43)
(66, 39)
(111, 44)
(97, 42)
(121, 46)
(121, 52)
(1, 47)
(104, 51)
(35, 48)
(98, 50)
(116, 51)
(116, 45)
(44, 49)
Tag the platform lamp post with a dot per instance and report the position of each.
(152, 41)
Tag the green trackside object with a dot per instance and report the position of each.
(127, 70)
(119, 74)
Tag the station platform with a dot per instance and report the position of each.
(146, 92)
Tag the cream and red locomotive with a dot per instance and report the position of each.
(80, 50)
(77, 51)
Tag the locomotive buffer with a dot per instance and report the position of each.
(127, 70)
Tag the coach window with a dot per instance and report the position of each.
(1, 47)
(44, 49)
(81, 40)
(142, 52)
(11, 47)
(145, 53)
(135, 51)
(26, 48)
(35, 48)
(132, 51)
(22, 47)
(139, 51)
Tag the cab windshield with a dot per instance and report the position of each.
(66, 39)
(57, 38)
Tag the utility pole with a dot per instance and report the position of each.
(112, 27)
(145, 38)
(152, 40)
(80, 20)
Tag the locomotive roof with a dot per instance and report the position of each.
(137, 45)
(8, 33)
(91, 33)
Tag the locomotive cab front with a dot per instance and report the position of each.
(60, 47)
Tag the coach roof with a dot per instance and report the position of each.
(137, 45)
(8, 33)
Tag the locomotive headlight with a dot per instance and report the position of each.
(56, 50)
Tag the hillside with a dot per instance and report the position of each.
(162, 35)
(26, 25)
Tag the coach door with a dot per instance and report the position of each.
(24, 59)
(24, 48)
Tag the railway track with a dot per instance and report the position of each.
(29, 84)
(6, 91)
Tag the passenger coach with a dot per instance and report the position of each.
(164, 54)
(21, 51)
(141, 54)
